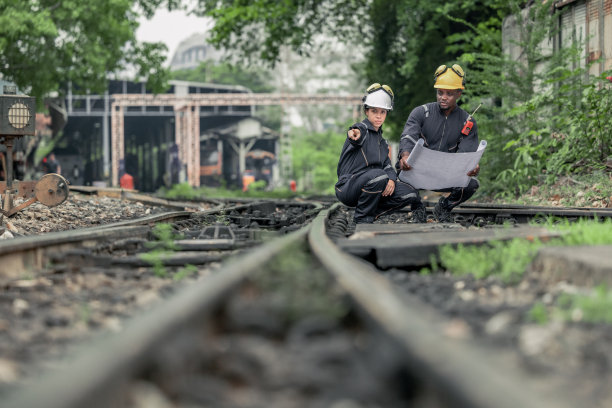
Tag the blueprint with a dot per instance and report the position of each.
(434, 170)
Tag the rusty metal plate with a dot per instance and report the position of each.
(24, 189)
(51, 189)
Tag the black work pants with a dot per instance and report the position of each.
(364, 192)
(459, 195)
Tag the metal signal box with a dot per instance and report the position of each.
(17, 114)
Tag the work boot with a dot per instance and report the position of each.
(419, 215)
(364, 220)
(442, 212)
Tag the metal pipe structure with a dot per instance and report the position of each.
(187, 109)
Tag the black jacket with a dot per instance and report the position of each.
(441, 132)
(370, 151)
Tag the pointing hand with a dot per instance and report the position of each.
(354, 134)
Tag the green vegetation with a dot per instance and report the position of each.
(315, 158)
(538, 314)
(404, 40)
(580, 190)
(185, 272)
(186, 192)
(160, 248)
(256, 79)
(45, 44)
(594, 306)
(544, 116)
(85, 313)
(505, 259)
(508, 259)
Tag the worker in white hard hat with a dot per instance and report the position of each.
(442, 125)
(366, 178)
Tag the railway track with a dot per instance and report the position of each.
(233, 336)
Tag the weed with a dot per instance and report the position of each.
(164, 237)
(508, 259)
(585, 232)
(185, 272)
(538, 314)
(594, 307)
(85, 313)
(160, 248)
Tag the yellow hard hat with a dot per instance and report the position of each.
(449, 77)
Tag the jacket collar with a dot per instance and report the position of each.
(442, 112)
(369, 125)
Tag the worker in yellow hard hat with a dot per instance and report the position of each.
(445, 127)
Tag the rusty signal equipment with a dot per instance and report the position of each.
(18, 119)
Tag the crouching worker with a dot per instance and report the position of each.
(443, 126)
(366, 178)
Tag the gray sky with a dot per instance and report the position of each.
(170, 28)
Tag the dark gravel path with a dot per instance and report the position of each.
(78, 211)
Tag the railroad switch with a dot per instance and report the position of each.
(17, 119)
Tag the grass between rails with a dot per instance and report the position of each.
(162, 247)
(593, 307)
(185, 191)
(508, 260)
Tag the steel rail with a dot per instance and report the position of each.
(470, 204)
(97, 373)
(147, 199)
(22, 254)
(526, 210)
(471, 377)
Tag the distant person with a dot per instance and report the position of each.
(51, 165)
(441, 124)
(366, 178)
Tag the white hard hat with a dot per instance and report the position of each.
(378, 99)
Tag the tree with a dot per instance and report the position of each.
(315, 156)
(256, 79)
(406, 39)
(47, 43)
